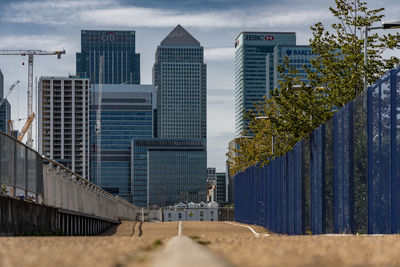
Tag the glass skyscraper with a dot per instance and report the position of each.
(121, 62)
(179, 73)
(5, 108)
(252, 77)
(168, 171)
(126, 113)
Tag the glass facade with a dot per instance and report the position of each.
(5, 108)
(127, 111)
(168, 171)
(254, 70)
(121, 62)
(298, 55)
(179, 73)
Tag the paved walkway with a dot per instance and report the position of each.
(233, 243)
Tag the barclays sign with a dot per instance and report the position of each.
(298, 52)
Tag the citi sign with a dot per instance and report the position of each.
(108, 37)
(259, 37)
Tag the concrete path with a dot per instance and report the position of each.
(182, 251)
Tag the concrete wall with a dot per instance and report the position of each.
(18, 216)
(66, 191)
(25, 218)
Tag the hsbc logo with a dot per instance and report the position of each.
(254, 37)
(269, 37)
(236, 43)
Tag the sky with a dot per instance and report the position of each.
(56, 25)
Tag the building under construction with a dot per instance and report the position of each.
(63, 121)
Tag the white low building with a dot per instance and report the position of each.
(191, 212)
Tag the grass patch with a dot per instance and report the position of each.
(194, 237)
(153, 246)
(202, 242)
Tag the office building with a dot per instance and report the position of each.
(121, 62)
(179, 73)
(232, 147)
(257, 57)
(127, 112)
(5, 108)
(191, 212)
(298, 55)
(63, 121)
(168, 171)
(222, 188)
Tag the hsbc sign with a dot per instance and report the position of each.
(258, 37)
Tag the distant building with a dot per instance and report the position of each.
(211, 180)
(167, 171)
(63, 121)
(298, 55)
(252, 76)
(231, 183)
(222, 188)
(179, 73)
(127, 112)
(121, 62)
(5, 108)
(191, 212)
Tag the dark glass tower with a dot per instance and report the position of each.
(121, 62)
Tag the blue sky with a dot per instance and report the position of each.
(56, 24)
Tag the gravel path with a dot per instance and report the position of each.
(244, 249)
(120, 249)
(238, 245)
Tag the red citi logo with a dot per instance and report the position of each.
(269, 37)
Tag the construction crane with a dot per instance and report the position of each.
(30, 54)
(8, 92)
(26, 127)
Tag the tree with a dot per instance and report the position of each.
(336, 77)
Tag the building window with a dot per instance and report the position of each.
(180, 216)
(169, 215)
(201, 214)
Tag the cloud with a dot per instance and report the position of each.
(219, 54)
(112, 13)
(44, 42)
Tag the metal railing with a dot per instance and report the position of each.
(343, 178)
(27, 175)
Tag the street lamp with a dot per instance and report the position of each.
(391, 24)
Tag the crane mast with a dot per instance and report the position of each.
(98, 121)
(30, 53)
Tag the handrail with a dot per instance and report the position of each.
(83, 180)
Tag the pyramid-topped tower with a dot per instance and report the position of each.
(179, 74)
(179, 36)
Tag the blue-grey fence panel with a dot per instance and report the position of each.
(317, 170)
(306, 187)
(343, 169)
(379, 164)
(329, 205)
(395, 86)
(360, 207)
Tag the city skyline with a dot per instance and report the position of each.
(27, 24)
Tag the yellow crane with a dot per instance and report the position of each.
(27, 125)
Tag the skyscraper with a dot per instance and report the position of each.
(179, 73)
(121, 62)
(126, 113)
(63, 121)
(252, 77)
(5, 108)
